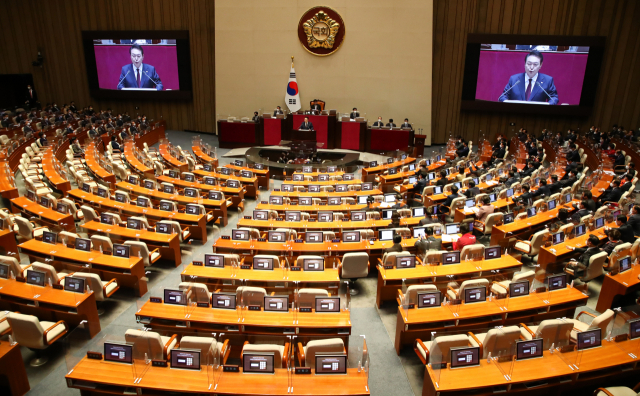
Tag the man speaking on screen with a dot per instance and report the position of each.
(137, 74)
(531, 86)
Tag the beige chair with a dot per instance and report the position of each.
(26, 230)
(470, 252)
(230, 259)
(78, 215)
(373, 215)
(307, 353)
(595, 269)
(300, 259)
(250, 295)
(620, 251)
(254, 233)
(618, 391)
(533, 245)
(552, 331)
(101, 243)
(276, 259)
(280, 352)
(209, 348)
(634, 249)
(307, 296)
(177, 229)
(289, 232)
(411, 295)
(354, 265)
(498, 342)
(30, 332)
(405, 232)
(89, 213)
(101, 289)
(502, 287)
(156, 347)
(390, 258)
(140, 249)
(366, 233)
(439, 348)
(49, 271)
(198, 292)
(486, 227)
(601, 321)
(15, 268)
(454, 293)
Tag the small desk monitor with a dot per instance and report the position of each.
(239, 163)
(297, 177)
(260, 214)
(121, 198)
(143, 202)
(393, 171)
(32, 195)
(275, 200)
(75, 285)
(458, 184)
(599, 222)
(86, 188)
(4, 271)
(192, 209)
(312, 264)
(62, 207)
(362, 199)
(276, 236)
(475, 294)
(83, 244)
(189, 178)
(418, 212)
(341, 187)
(366, 186)
(451, 258)
(49, 237)
(529, 349)
(551, 204)
(133, 179)
(624, 264)
(348, 176)
(419, 232)
(292, 215)
(470, 203)
(403, 262)
(465, 357)
(276, 303)
(373, 164)
(387, 214)
(263, 264)
(223, 300)
(307, 169)
(519, 289)
(209, 181)
(492, 252)
(313, 237)
(332, 169)
(412, 167)
(492, 198)
(567, 198)
(121, 251)
(589, 339)
(331, 364)
(313, 188)
(214, 260)
(261, 363)
(120, 353)
(185, 359)
(334, 201)
(358, 216)
(507, 218)
(509, 192)
(557, 238)
(531, 212)
(44, 201)
(557, 282)
(386, 235)
(168, 188)
(134, 224)
(428, 299)
(452, 229)
(390, 198)
(323, 177)
(240, 235)
(350, 236)
(247, 174)
(35, 278)
(173, 174)
(579, 230)
(163, 228)
(304, 201)
(389, 160)
(325, 217)
(634, 329)
(216, 195)
(175, 297)
(233, 184)
(431, 176)
(106, 218)
(191, 193)
(149, 185)
(327, 304)
(258, 166)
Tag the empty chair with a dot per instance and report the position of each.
(498, 342)
(30, 332)
(307, 296)
(254, 233)
(196, 291)
(601, 321)
(156, 346)
(439, 348)
(176, 229)
(140, 249)
(458, 293)
(390, 257)
(15, 268)
(411, 295)
(354, 265)
(49, 271)
(101, 289)
(101, 243)
(373, 215)
(290, 233)
(300, 259)
(274, 258)
(503, 286)
(471, 252)
(307, 353)
(89, 213)
(26, 230)
(209, 348)
(366, 233)
(404, 232)
(337, 216)
(144, 202)
(552, 331)
(617, 391)
(533, 245)
(77, 214)
(328, 235)
(250, 295)
(280, 352)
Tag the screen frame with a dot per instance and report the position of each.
(173, 355)
(539, 341)
(122, 345)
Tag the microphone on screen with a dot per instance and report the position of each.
(152, 80)
(510, 88)
(122, 79)
(540, 84)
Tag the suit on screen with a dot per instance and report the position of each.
(537, 94)
(147, 74)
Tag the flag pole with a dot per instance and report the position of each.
(292, 61)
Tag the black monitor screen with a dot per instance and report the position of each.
(492, 252)
(579, 230)
(475, 294)
(175, 297)
(239, 162)
(557, 282)
(327, 304)
(551, 204)
(191, 193)
(334, 201)
(258, 363)
(313, 188)
(260, 215)
(519, 289)
(589, 339)
(292, 216)
(386, 235)
(258, 166)
(62, 208)
(358, 216)
(223, 301)
(323, 177)
(387, 214)
(557, 238)
(83, 244)
(215, 195)
(189, 177)
(121, 353)
(465, 356)
(4, 271)
(405, 262)
(428, 299)
(185, 359)
(529, 349)
(351, 236)
(287, 187)
(276, 303)
(307, 169)
(102, 193)
(86, 188)
(264, 264)
(297, 177)
(75, 285)
(209, 181)
(311, 264)
(106, 218)
(35, 277)
(246, 174)
(624, 264)
(134, 224)
(166, 206)
(163, 228)
(367, 186)
(331, 364)
(192, 209)
(121, 251)
(348, 176)
(121, 198)
(240, 235)
(634, 329)
(277, 236)
(143, 202)
(531, 212)
(313, 236)
(304, 201)
(451, 258)
(507, 218)
(214, 260)
(133, 179)
(149, 184)
(49, 237)
(167, 188)
(599, 222)
(325, 216)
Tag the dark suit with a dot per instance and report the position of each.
(316, 107)
(353, 115)
(611, 195)
(583, 260)
(420, 185)
(378, 124)
(463, 152)
(31, 97)
(406, 125)
(450, 199)
(256, 118)
(426, 221)
(428, 243)
(472, 192)
(306, 126)
(276, 112)
(625, 187)
(619, 160)
(390, 125)
(591, 205)
(543, 190)
(148, 77)
(626, 230)
(517, 92)
(395, 248)
(634, 223)
(499, 153)
(555, 188)
(568, 183)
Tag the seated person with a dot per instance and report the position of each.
(467, 238)
(580, 265)
(543, 190)
(379, 123)
(463, 151)
(484, 210)
(114, 145)
(406, 124)
(42, 139)
(420, 184)
(450, 198)
(443, 179)
(390, 124)
(570, 179)
(354, 114)
(614, 240)
(611, 194)
(256, 117)
(428, 219)
(619, 160)
(277, 111)
(512, 179)
(75, 146)
(428, 242)
(472, 191)
(397, 247)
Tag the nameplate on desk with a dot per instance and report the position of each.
(155, 300)
(505, 358)
(299, 241)
(439, 366)
(456, 301)
(343, 219)
(94, 355)
(264, 202)
(225, 237)
(245, 266)
(20, 279)
(566, 348)
(159, 363)
(254, 308)
(295, 268)
(279, 219)
(305, 309)
(303, 370)
(203, 304)
(276, 189)
(293, 203)
(540, 289)
(231, 368)
(247, 217)
(58, 287)
(335, 240)
(198, 263)
(621, 337)
(311, 220)
(322, 203)
(388, 267)
(262, 239)
(373, 239)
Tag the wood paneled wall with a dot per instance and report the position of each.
(54, 28)
(618, 99)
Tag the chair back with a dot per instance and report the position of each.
(89, 213)
(143, 342)
(595, 269)
(139, 249)
(307, 297)
(355, 265)
(475, 251)
(500, 342)
(537, 240)
(262, 348)
(390, 257)
(439, 351)
(250, 295)
(472, 283)
(602, 321)
(330, 345)
(196, 291)
(93, 281)
(100, 241)
(25, 229)
(26, 330)
(554, 331)
(411, 295)
(206, 345)
(14, 265)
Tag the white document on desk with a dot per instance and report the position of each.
(449, 238)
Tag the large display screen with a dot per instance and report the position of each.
(138, 64)
(532, 74)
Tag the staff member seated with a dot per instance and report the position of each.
(379, 123)
(463, 151)
(390, 124)
(306, 125)
(467, 238)
(406, 124)
(277, 111)
(114, 145)
(354, 114)
(397, 247)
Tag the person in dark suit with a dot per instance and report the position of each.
(499, 153)
(442, 181)
(379, 123)
(554, 187)
(428, 242)
(581, 212)
(277, 111)
(582, 263)
(587, 198)
(316, 108)
(256, 117)
(5, 121)
(463, 151)
(543, 191)
(397, 247)
(306, 125)
(611, 194)
(420, 184)
(619, 159)
(114, 145)
(531, 86)
(450, 198)
(390, 124)
(138, 74)
(615, 239)
(512, 179)
(406, 124)
(625, 185)
(354, 114)
(31, 97)
(428, 219)
(472, 191)
(568, 182)
(72, 106)
(634, 220)
(626, 230)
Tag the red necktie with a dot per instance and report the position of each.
(528, 90)
(138, 78)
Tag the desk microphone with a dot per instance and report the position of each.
(510, 88)
(540, 84)
(152, 80)
(122, 79)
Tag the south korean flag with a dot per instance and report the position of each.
(292, 97)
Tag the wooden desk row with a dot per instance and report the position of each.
(90, 153)
(57, 180)
(382, 167)
(250, 184)
(305, 225)
(174, 162)
(14, 375)
(344, 208)
(236, 194)
(134, 163)
(49, 217)
(202, 156)
(326, 194)
(263, 175)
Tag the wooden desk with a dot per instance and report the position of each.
(55, 179)
(499, 233)
(306, 183)
(129, 272)
(315, 225)
(170, 159)
(90, 153)
(239, 134)
(386, 139)
(325, 194)
(49, 217)
(344, 208)
(169, 244)
(12, 369)
(263, 175)
(197, 223)
(235, 194)
(316, 174)
(219, 208)
(97, 377)
(135, 164)
(610, 362)
(383, 167)
(8, 187)
(250, 184)
(617, 285)
(204, 157)
(419, 323)
(390, 281)
(50, 304)
(8, 244)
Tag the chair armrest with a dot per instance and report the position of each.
(104, 288)
(156, 250)
(301, 356)
(527, 329)
(380, 261)
(606, 392)
(226, 350)
(46, 332)
(415, 348)
(285, 356)
(453, 290)
(166, 346)
(586, 313)
(477, 341)
(419, 260)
